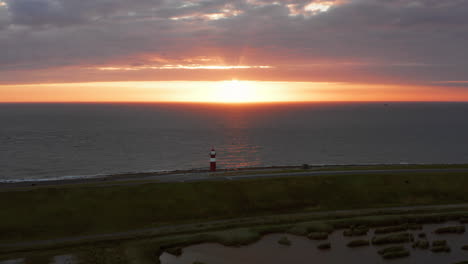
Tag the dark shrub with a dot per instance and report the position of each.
(437, 249)
(176, 251)
(391, 229)
(355, 232)
(396, 254)
(324, 246)
(284, 241)
(358, 243)
(390, 249)
(422, 244)
(318, 235)
(414, 227)
(437, 243)
(392, 239)
(450, 229)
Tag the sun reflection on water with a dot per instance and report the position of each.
(237, 148)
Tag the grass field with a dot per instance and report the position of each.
(61, 212)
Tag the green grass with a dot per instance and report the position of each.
(77, 210)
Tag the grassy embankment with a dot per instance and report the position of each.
(50, 212)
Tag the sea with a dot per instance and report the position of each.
(60, 141)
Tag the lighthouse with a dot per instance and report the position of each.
(213, 160)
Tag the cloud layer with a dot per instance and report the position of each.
(386, 41)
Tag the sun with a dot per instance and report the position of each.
(235, 92)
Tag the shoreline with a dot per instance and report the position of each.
(141, 176)
(125, 176)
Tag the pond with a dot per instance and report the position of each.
(304, 250)
(301, 251)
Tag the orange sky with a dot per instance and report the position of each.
(190, 50)
(233, 91)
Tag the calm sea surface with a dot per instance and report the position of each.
(44, 141)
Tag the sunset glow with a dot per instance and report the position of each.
(190, 50)
(232, 91)
(183, 67)
(319, 6)
(238, 92)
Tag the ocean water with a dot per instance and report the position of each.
(47, 141)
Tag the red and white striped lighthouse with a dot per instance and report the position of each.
(213, 160)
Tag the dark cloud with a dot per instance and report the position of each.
(420, 41)
(69, 12)
(40, 12)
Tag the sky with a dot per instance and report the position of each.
(233, 50)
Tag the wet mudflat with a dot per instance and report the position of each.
(304, 250)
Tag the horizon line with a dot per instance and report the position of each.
(220, 103)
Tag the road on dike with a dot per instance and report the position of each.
(193, 177)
